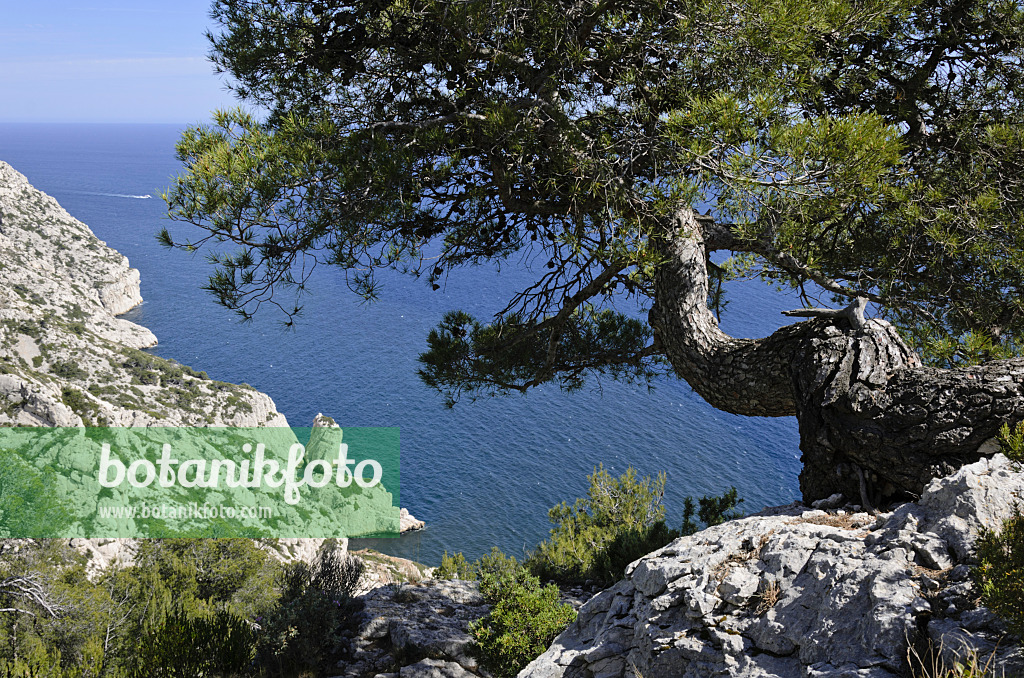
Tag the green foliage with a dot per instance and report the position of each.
(39, 661)
(186, 645)
(303, 632)
(874, 147)
(620, 520)
(188, 607)
(58, 632)
(713, 510)
(970, 348)
(455, 566)
(150, 369)
(524, 618)
(495, 569)
(67, 370)
(78, 403)
(210, 574)
(1011, 441)
(466, 355)
(1000, 571)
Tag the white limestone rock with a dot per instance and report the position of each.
(65, 358)
(407, 522)
(403, 624)
(797, 592)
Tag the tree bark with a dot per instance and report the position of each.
(874, 424)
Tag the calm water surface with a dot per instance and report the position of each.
(483, 474)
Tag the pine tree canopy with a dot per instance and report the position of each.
(849, 148)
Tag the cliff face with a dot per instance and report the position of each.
(65, 358)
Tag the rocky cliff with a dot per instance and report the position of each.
(66, 359)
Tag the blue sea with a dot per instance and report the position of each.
(482, 474)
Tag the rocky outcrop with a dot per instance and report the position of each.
(798, 592)
(381, 569)
(65, 358)
(408, 523)
(415, 630)
(102, 554)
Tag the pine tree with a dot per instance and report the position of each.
(867, 153)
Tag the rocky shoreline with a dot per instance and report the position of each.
(67, 359)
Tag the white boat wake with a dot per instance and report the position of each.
(114, 195)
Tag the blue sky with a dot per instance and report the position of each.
(107, 61)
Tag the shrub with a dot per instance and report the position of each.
(455, 566)
(185, 646)
(1011, 442)
(713, 510)
(620, 520)
(524, 618)
(77, 401)
(229, 574)
(67, 370)
(304, 631)
(1000, 571)
(39, 661)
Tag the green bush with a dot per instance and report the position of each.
(303, 633)
(78, 403)
(455, 566)
(212, 574)
(67, 370)
(185, 645)
(524, 618)
(713, 510)
(39, 660)
(1011, 442)
(1000, 571)
(620, 520)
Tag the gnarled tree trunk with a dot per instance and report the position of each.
(874, 424)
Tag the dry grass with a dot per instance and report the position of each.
(845, 522)
(968, 664)
(722, 569)
(768, 596)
